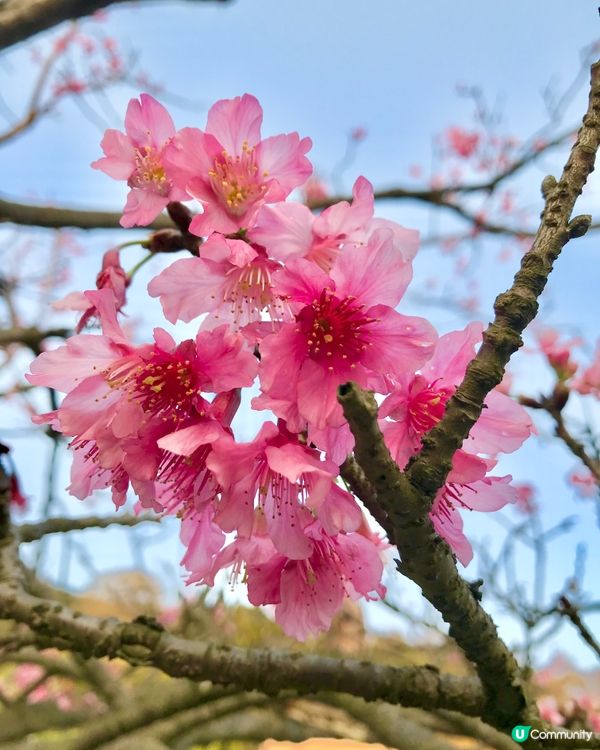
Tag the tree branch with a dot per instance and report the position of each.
(49, 217)
(407, 497)
(21, 19)
(31, 337)
(576, 448)
(568, 610)
(31, 532)
(269, 671)
(429, 562)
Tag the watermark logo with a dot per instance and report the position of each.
(520, 733)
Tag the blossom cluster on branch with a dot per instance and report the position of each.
(302, 303)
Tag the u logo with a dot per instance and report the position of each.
(520, 733)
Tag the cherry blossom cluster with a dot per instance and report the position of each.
(296, 302)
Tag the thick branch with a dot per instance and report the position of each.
(266, 670)
(20, 19)
(57, 218)
(143, 711)
(428, 561)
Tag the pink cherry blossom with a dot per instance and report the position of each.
(468, 487)
(549, 710)
(112, 276)
(418, 402)
(122, 400)
(286, 479)
(290, 230)
(231, 280)
(558, 351)
(345, 329)
(314, 190)
(308, 592)
(138, 156)
(525, 501)
(585, 483)
(231, 171)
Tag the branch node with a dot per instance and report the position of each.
(548, 185)
(578, 226)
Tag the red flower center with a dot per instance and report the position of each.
(165, 384)
(336, 330)
(427, 407)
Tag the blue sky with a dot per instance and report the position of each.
(322, 69)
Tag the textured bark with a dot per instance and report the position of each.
(429, 562)
(21, 19)
(270, 671)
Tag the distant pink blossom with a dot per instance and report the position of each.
(314, 190)
(549, 710)
(231, 170)
(358, 134)
(558, 351)
(461, 142)
(17, 498)
(588, 382)
(525, 500)
(584, 482)
(138, 157)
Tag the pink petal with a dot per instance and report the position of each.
(451, 529)
(399, 343)
(119, 162)
(81, 357)
(452, 354)
(184, 442)
(225, 361)
(234, 122)
(301, 280)
(504, 425)
(188, 288)
(141, 208)
(284, 229)
(340, 512)
(282, 158)
(317, 396)
(374, 274)
(147, 122)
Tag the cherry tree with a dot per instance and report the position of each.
(376, 433)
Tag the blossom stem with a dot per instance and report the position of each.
(139, 264)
